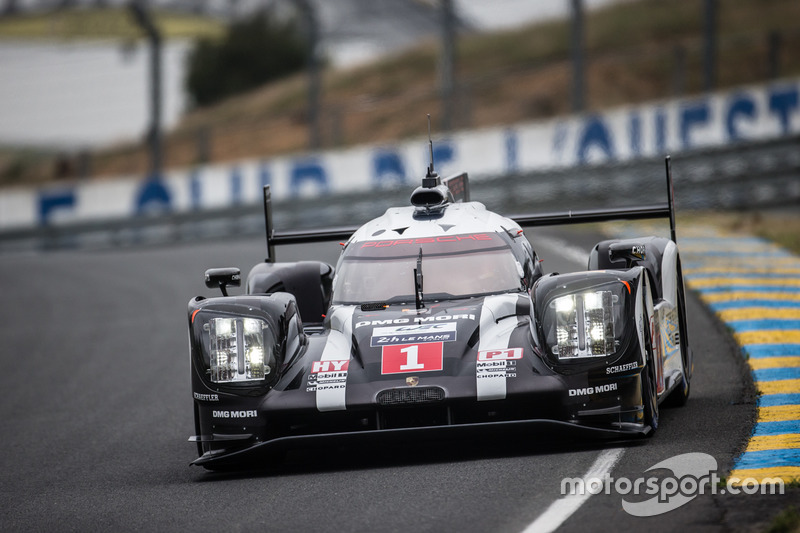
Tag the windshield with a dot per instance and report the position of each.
(461, 265)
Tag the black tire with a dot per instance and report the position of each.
(650, 398)
(649, 385)
(197, 430)
(680, 395)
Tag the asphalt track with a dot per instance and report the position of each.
(97, 408)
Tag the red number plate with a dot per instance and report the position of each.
(403, 358)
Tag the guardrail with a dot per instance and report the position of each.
(747, 176)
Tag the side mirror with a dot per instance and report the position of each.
(630, 252)
(222, 277)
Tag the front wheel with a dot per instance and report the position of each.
(650, 398)
(679, 396)
(649, 386)
(197, 429)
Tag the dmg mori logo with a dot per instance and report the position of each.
(593, 390)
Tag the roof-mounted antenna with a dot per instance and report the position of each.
(431, 179)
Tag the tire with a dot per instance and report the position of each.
(679, 396)
(197, 430)
(649, 385)
(650, 398)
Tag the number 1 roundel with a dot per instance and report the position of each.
(401, 358)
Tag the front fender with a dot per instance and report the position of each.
(609, 332)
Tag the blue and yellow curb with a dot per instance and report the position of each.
(753, 286)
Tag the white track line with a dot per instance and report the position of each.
(560, 510)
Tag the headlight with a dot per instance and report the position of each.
(237, 349)
(584, 325)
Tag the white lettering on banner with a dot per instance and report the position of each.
(593, 390)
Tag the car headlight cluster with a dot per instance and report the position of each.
(584, 325)
(237, 349)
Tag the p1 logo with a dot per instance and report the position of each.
(508, 354)
(401, 358)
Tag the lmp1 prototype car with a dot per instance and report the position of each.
(438, 321)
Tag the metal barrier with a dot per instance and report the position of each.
(736, 177)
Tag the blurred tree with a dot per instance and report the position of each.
(254, 51)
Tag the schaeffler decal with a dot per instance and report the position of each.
(425, 357)
(414, 334)
(622, 368)
(206, 397)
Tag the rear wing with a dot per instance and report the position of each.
(459, 186)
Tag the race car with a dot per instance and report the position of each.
(438, 321)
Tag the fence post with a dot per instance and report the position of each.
(710, 46)
(309, 16)
(775, 43)
(143, 18)
(578, 66)
(679, 71)
(447, 64)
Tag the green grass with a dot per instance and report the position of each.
(787, 521)
(99, 23)
(780, 228)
